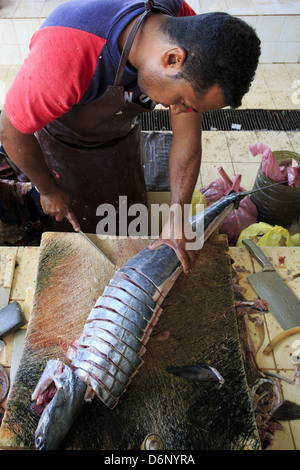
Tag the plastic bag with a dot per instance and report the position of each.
(197, 198)
(264, 234)
(240, 218)
(289, 170)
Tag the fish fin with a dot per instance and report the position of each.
(38, 409)
(285, 411)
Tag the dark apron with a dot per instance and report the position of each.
(94, 151)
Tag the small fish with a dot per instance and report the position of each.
(201, 372)
(247, 307)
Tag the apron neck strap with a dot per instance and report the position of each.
(130, 38)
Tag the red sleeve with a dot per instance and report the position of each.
(54, 77)
(186, 10)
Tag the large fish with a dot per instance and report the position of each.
(110, 349)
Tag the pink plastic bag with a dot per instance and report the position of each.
(240, 218)
(288, 171)
(294, 175)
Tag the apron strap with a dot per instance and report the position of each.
(130, 38)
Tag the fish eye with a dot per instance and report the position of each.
(39, 442)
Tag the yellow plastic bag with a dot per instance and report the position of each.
(197, 198)
(266, 235)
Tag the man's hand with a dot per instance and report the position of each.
(174, 234)
(26, 153)
(57, 204)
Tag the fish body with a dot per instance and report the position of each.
(110, 350)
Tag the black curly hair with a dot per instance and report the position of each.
(221, 49)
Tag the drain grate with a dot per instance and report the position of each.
(230, 119)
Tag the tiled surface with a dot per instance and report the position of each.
(279, 361)
(230, 150)
(41, 8)
(277, 24)
(247, 7)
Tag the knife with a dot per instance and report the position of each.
(95, 246)
(269, 285)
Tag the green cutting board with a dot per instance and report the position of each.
(198, 324)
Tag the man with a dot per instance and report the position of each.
(68, 119)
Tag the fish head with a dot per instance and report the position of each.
(61, 395)
(49, 433)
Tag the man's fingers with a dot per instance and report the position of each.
(155, 244)
(193, 255)
(184, 259)
(73, 221)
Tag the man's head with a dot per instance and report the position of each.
(219, 49)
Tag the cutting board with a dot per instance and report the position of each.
(198, 324)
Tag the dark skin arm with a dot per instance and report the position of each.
(25, 151)
(184, 166)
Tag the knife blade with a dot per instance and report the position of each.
(95, 246)
(269, 285)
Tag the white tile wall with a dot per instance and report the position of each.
(277, 23)
(29, 9)
(237, 7)
(8, 8)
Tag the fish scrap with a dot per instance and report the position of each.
(202, 372)
(269, 410)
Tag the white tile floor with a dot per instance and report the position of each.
(276, 86)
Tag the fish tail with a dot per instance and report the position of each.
(286, 411)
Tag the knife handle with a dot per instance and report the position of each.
(259, 255)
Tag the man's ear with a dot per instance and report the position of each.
(173, 59)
